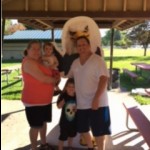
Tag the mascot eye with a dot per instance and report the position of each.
(86, 29)
(72, 33)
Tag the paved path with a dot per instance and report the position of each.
(14, 135)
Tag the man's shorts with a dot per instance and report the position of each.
(96, 120)
(37, 115)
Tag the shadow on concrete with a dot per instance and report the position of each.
(52, 138)
(122, 139)
(27, 147)
(4, 116)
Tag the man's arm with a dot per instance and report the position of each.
(100, 89)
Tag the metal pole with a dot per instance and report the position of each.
(3, 29)
(111, 58)
(53, 38)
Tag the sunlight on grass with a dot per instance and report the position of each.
(142, 100)
(121, 59)
(124, 58)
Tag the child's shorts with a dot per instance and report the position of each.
(66, 132)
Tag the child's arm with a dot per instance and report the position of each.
(56, 63)
(61, 103)
(44, 58)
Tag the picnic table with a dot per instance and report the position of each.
(7, 71)
(139, 117)
(136, 64)
(142, 67)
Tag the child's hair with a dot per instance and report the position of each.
(48, 44)
(69, 81)
(25, 52)
(56, 53)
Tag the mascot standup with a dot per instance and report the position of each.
(74, 28)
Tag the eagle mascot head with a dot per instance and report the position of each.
(81, 26)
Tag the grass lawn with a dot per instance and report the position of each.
(12, 90)
(122, 59)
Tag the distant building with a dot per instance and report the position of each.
(15, 44)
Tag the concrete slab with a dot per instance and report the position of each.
(14, 127)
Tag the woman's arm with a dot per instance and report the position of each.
(60, 101)
(31, 67)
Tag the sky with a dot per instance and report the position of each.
(14, 21)
(102, 31)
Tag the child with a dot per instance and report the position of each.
(67, 101)
(50, 60)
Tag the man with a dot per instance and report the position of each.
(91, 76)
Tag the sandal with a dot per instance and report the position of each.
(45, 147)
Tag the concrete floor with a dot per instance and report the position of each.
(121, 138)
(14, 127)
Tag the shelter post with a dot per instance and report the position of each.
(111, 59)
(53, 39)
(3, 29)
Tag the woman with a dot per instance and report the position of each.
(37, 93)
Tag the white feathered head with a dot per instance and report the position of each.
(80, 26)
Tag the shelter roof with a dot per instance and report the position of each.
(49, 14)
(34, 34)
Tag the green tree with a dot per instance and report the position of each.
(7, 25)
(117, 35)
(107, 37)
(11, 28)
(140, 34)
(124, 42)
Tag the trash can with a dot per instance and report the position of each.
(115, 78)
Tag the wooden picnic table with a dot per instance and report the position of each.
(137, 63)
(7, 71)
(142, 66)
(141, 120)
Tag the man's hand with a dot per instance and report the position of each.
(95, 104)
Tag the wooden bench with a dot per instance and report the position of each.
(6, 72)
(19, 77)
(140, 120)
(132, 75)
